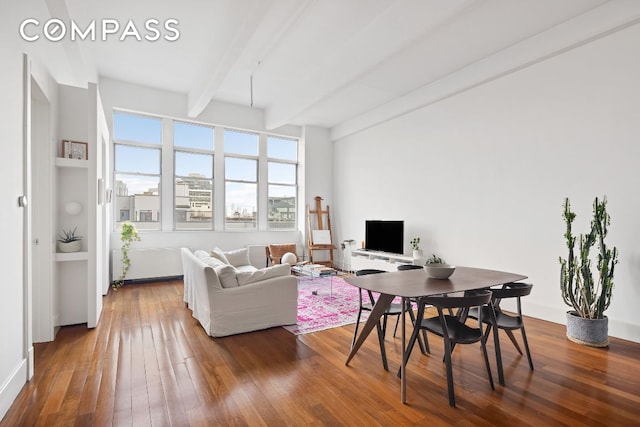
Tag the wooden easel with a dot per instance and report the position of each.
(321, 225)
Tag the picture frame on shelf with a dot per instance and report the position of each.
(75, 150)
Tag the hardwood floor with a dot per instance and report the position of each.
(150, 363)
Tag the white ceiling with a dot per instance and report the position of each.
(341, 64)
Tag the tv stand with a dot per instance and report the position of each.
(363, 258)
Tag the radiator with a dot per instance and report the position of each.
(148, 263)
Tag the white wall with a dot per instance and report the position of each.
(12, 357)
(318, 181)
(15, 335)
(482, 176)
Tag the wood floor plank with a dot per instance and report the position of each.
(150, 363)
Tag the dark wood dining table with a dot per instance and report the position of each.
(415, 284)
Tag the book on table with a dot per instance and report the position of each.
(315, 270)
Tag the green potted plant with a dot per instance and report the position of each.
(128, 235)
(588, 296)
(68, 241)
(415, 245)
(434, 259)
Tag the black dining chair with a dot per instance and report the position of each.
(424, 348)
(453, 329)
(506, 321)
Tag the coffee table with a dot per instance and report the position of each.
(316, 271)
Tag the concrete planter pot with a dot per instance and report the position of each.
(591, 332)
(66, 247)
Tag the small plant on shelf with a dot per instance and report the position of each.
(415, 243)
(68, 236)
(128, 235)
(68, 241)
(434, 259)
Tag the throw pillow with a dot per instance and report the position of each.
(227, 276)
(200, 254)
(289, 258)
(244, 278)
(217, 253)
(213, 262)
(238, 257)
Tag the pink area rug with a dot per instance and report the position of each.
(325, 310)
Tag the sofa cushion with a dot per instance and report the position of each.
(200, 254)
(247, 277)
(227, 276)
(245, 269)
(238, 257)
(217, 253)
(212, 262)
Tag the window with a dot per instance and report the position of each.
(236, 142)
(137, 169)
(193, 204)
(241, 193)
(257, 175)
(241, 180)
(133, 127)
(282, 182)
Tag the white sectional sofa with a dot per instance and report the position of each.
(230, 296)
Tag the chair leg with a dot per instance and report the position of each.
(447, 359)
(383, 352)
(384, 325)
(412, 340)
(395, 329)
(426, 342)
(526, 347)
(513, 340)
(487, 331)
(496, 343)
(486, 362)
(424, 348)
(453, 347)
(355, 331)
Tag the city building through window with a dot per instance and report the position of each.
(245, 157)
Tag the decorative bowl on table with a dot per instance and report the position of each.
(439, 271)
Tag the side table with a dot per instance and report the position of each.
(315, 271)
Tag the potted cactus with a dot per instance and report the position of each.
(588, 296)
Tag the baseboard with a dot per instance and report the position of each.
(12, 386)
(617, 329)
(30, 363)
(624, 330)
(152, 280)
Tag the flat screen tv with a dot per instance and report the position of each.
(385, 236)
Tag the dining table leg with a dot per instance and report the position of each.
(403, 376)
(381, 305)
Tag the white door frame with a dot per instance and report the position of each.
(27, 250)
(43, 324)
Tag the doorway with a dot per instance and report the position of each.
(41, 242)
